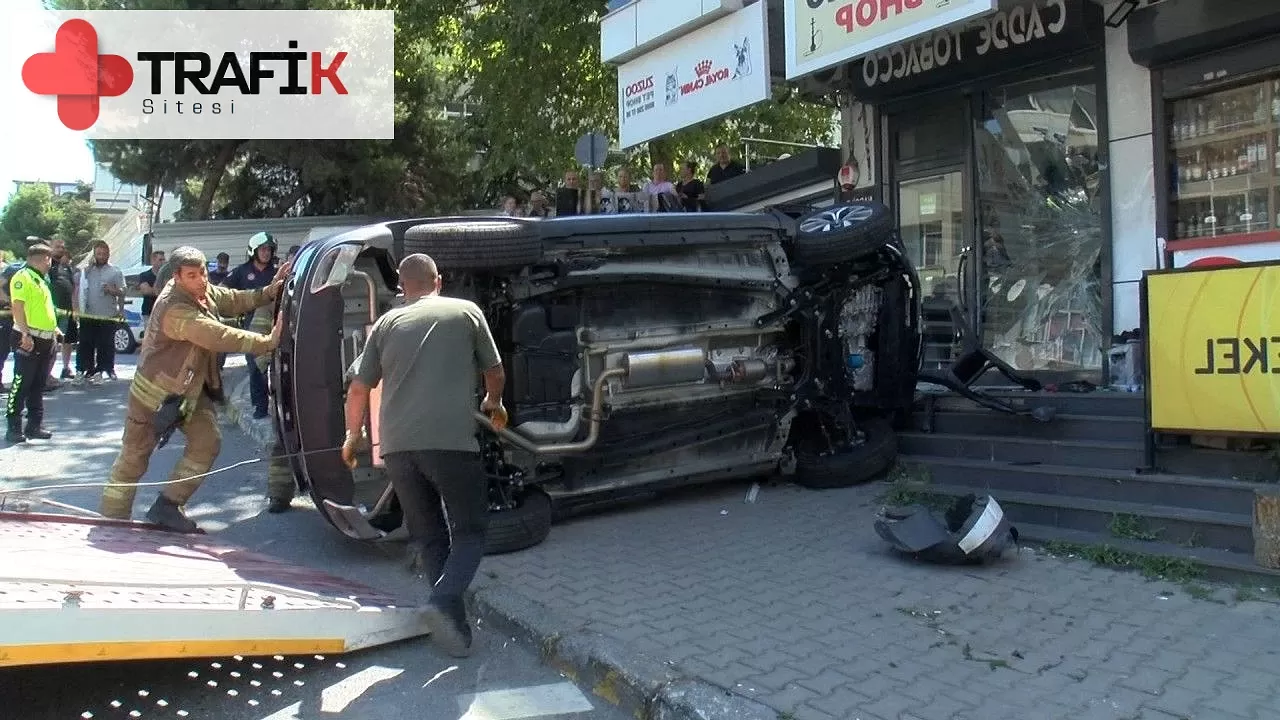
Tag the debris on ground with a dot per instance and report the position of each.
(972, 531)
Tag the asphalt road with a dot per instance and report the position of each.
(501, 681)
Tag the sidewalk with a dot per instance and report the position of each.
(704, 606)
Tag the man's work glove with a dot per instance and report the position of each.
(167, 419)
(350, 446)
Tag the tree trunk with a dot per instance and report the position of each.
(213, 178)
(660, 150)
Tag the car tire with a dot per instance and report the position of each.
(123, 340)
(855, 466)
(524, 526)
(477, 244)
(843, 232)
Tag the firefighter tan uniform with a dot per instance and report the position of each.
(281, 486)
(179, 358)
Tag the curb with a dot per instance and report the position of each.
(641, 686)
(239, 412)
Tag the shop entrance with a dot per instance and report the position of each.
(998, 195)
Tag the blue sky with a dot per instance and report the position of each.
(33, 144)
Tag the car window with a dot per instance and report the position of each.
(334, 267)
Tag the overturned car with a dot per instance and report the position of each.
(643, 352)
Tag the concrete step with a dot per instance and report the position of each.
(1108, 428)
(1015, 450)
(1174, 525)
(1140, 489)
(1249, 466)
(1101, 402)
(1221, 565)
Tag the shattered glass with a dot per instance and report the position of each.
(1039, 180)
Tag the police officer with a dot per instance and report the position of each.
(177, 382)
(256, 272)
(35, 329)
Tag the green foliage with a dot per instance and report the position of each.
(533, 69)
(530, 73)
(35, 211)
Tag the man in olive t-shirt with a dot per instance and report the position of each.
(429, 356)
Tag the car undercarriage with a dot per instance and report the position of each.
(641, 352)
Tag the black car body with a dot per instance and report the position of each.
(642, 352)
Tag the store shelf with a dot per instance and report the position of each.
(1224, 186)
(1201, 243)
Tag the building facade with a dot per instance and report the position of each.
(1040, 155)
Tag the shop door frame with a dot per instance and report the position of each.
(1088, 64)
(961, 160)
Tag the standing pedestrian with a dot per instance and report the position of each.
(6, 314)
(256, 272)
(429, 356)
(177, 383)
(35, 329)
(100, 301)
(148, 286)
(62, 280)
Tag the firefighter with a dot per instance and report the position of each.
(177, 383)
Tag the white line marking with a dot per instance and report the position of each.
(521, 703)
(339, 695)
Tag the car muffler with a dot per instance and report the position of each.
(661, 368)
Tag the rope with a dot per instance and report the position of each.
(79, 315)
(242, 463)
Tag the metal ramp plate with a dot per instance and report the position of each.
(87, 590)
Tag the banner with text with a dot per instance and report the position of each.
(1213, 346)
(708, 73)
(823, 33)
(242, 74)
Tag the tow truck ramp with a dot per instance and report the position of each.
(90, 590)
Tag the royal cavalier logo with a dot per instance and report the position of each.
(706, 74)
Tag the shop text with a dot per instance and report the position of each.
(638, 97)
(865, 13)
(1005, 29)
(1240, 356)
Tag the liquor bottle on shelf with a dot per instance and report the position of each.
(1242, 158)
(1275, 100)
(1259, 105)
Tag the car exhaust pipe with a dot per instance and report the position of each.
(593, 429)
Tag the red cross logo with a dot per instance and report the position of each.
(77, 74)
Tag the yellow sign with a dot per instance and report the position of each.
(822, 33)
(1213, 345)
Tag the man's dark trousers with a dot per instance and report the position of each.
(30, 370)
(432, 485)
(6, 332)
(97, 349)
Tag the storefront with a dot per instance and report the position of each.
(993, 153)
(1216, 103)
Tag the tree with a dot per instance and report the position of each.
(35, 211)
(421, 170)
(533, 69)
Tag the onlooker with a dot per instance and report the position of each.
(62, 281)
(429, 355)
(256, 273)
(147, 285)
(35, 329)
(662, 194)
(220, 269)
(593, 196)
(511, 206)
(99, 299)
(690, 190)
(726, 167)
(538, 206)
(625, 198)
(569, 196)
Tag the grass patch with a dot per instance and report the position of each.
(1132, 527)
(908, 485)
(1200, 592)
(1151, 566)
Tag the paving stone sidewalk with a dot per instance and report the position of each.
(794, 601)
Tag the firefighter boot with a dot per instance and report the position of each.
(168, 514)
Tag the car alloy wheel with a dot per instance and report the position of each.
(842, 217)
(123, 340)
